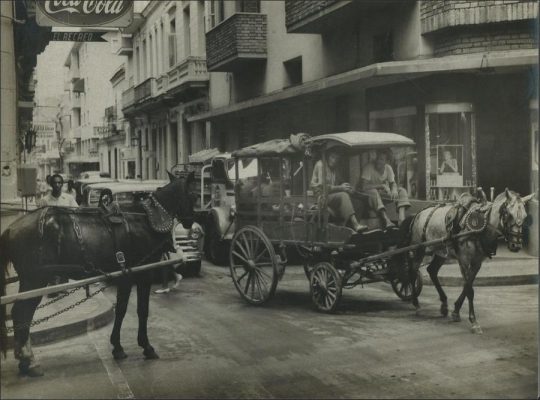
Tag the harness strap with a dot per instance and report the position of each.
(88, 264)
(424, 230)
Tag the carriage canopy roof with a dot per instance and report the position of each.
(353, 139)
(363, 139)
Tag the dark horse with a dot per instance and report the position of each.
(504, 217)
(78, 243)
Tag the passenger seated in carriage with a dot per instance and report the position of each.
(339, 192)
(379, 185)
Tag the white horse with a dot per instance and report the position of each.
(505, 215)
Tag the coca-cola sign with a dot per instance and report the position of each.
(84, 13)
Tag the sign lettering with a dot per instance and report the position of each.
(84, 13)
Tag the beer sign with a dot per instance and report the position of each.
(84, 13)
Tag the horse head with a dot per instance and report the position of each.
(176, 197)
(512, 218)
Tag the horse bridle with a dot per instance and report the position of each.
(511, 234)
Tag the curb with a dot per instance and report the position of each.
(57, 333)
(509, 280)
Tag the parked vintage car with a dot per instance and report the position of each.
(188, 241)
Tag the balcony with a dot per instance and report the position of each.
(123, 45)
(321, 16)
(236, 42)
(128, 98)
(190, 73)
(439, 15)
(78, 85)
(146, 90)
(310, 16)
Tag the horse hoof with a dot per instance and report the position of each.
(456, 317)
(150, 354)
(119, 354)
(477, 329)
(35, 372)
(444, 311)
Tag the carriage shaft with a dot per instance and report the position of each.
(400, 250)
(83, 282)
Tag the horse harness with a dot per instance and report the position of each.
(117, 226)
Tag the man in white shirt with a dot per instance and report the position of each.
(378, 182)
(56, 197)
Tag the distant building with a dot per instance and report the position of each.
(167, 82)
(88, 92)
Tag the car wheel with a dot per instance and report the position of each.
(216, 249)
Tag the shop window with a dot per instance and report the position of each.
(293, 71)
(450, 139)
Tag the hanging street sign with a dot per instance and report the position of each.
(77, 36)
(84, 13)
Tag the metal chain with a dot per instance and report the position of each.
(44, 319)
(62, 296)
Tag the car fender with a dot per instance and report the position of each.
(220, 217)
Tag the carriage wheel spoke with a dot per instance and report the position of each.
(247, 283)
(263, 272)
(257, 280)
(239, 245)
(249, 252)
(240, 257)
(264, 250)
(261, 278)
(242, 276)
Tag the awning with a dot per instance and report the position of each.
(384, 74)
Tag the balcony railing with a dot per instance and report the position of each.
(145, 90)
(238, 40)
(128, 98)
(192, 69)
(306, 16)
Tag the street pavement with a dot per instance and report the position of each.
(214, 345)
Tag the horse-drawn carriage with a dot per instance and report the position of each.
(277, 209)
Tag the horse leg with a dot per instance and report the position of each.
(123, 291)
(22, 315)
(475, 326)
(143, 300)
(433, 271)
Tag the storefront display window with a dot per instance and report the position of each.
(451, 143)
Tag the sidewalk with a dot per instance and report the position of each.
(505, 268)
(92, 314)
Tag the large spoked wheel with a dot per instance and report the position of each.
(253, 263)
(325, 287)
(405, 290)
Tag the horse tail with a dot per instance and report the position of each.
(4, 262)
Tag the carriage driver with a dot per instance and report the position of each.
(339, 199)
(378, 183)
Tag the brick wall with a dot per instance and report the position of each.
(440, 14)
(484, 38)
(297, 10)
(241, 33)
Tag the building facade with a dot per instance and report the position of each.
(455, 76)
(167, 81)
(88, 94)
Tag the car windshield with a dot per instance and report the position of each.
(247, 168)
